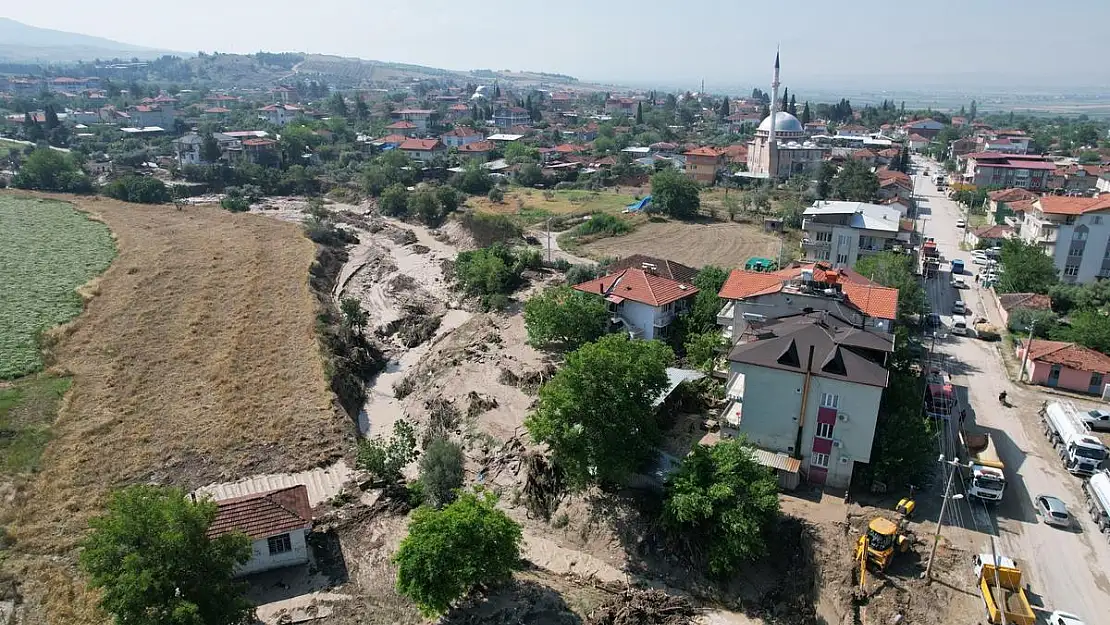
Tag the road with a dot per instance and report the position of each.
(1066, 570)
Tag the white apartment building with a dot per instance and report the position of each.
(840, 232)
(1075, 232)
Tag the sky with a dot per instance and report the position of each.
(857, 43)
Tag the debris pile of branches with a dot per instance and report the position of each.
(644, 607)
(543, 484)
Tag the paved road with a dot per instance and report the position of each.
(1066, 570)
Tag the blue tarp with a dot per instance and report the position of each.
(639, 205)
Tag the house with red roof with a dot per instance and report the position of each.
(277, 522)
(916, 142)
(991, 235)
(641, 301)
(994, 169)
(477, 149)
(927, 127)
(280, 114)
(1074, 232)
(1064, 365)
(420, 118)
(423, 149)
(703, 163)
(405, 128)
(460, 136)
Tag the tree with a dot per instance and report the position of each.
(1026, 269)
(496, 195)
(448, 199)
(972, 112)
(210, 149)
(353, 314)
(337, 105)
(529, 175)
(394, 201)
(450, 551)
(807, 115)
(825, 177)
(362, 110)
(47, 169)
(385, 459)
(441, 471)
(563, 315)
(792, 108)
(597, 414)
(855, 182)
(138, 189)
(1090, 328)
(423, 205)
(785, 98)
(701, 349)
(474, 179)
(904, 437)
(723, 112)
(675, 194)
(703, 314)
(153, 562)
(723, 502)
(639, 113)
(896, 271)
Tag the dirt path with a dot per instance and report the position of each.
(551, 239)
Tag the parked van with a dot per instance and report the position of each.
(957, 266)
(959, 325)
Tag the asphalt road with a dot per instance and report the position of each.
(1065, 569)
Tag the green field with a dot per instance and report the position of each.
(9, 146)
(27, 409)
(47, 250)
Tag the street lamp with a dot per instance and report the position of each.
(955, 464)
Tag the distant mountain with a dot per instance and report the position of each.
(21, 43)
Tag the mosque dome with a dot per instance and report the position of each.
(784, 122)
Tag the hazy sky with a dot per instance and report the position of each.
(857, 42)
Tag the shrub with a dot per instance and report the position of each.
(385, 459)
(441, 471)
(602, 224)
(489, 229)
(394, 201)
(138, 189)
(235, 204)
(496, 195)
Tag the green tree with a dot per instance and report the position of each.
(675, 194)
(703, 314)
(1026, 269)
(394, 201)
(597, 414)
(353, 315)
(154, 564)
(562, 315)
(448, 199)
(441, 471)
(337, 105)
(209, 149)
(904, 438)
(450, 551)
(807, 115)
(529, 175)
(1090, 328)
(895, 270)
(47, 169)
(701, 349)
(825, 176)
(362, 111)
(474, 179)
(639, 113)
(855, 182)
(496, 195)
(723, 112)
(385, 459)
(423, 205)
(723, 502)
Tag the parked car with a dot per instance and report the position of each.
(1052, 510)
(959, 307)
(958, 283)
(933, 321)
(961, 224)
(979, 260)
(1059, 617)
(1097, 420)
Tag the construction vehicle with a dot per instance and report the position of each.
(986, 331)
(984, 467)
(883, 539)
(1081, 451)
(1097, 492)
(1003, 594)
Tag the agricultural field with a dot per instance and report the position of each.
(47, 251)
(196, 361)
(694, 244)
(9, 146)
(533, 205)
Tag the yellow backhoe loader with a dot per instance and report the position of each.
(883, 539)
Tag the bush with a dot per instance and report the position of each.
(386, 459)
(492, 273)
(577, 274)
(235, 204)
(496, 195)
(565, 316)
(138, 189)
(488, 229)
(441, 471)
(50, 170)
(474, 180)
(602, 224)
(394, 201)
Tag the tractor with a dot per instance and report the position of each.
(883, 539)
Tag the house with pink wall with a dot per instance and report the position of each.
(1064, 365)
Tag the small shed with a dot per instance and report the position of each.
(276, 521)
(757, 263)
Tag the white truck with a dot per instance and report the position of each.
(985, 468)
(1097, 492)
(1081, 451)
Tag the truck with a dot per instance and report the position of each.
(1081, 451)
(1004, 595)
(940, 396)
(1097, 492)
(930, 258)
(984, 466)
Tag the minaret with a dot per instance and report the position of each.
(774, 100)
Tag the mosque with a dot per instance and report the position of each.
(780, 148)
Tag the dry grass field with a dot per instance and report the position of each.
(694, 244)
(196, 361)
(532, 204)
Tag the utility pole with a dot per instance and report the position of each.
(940, 522)
(548, 240)
(1028, 347)
(997, 583)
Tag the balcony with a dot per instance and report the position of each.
(664, 319)
(815, 244)
(724, 316)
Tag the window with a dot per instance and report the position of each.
(823, 237)
(1096, 219)
(819, 460)
(830, 400)
(824, 430)
(843, 239)
(280, 544)
(842, 259)
(1071, 270)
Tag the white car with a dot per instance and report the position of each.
(979, 260)
(961, 224)
(1059, 617)
(1052, 510)
(958, 283)
(959, 308)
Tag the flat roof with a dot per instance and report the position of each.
(504, 137)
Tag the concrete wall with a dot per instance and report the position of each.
(640, 316)
(1070, 379)
(261, 560)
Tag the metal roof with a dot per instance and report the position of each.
(776, 460)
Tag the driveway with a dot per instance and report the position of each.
(1065, 569)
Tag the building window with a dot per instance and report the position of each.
(1071, 270)
(819, 460)
(830, 400)
(1096, 219)
(823, 237)
(824, 430)
(1080, 233)
(842, 259)
(279, 544)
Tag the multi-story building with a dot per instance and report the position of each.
(280, 114)
(815, 383)
(703, 164)
(423, 149)
(460, 136)
(509, 116)
(421, 118)
(840, 232)
(641, 301)
(1074, 232)
(928, 128)
(993, 169)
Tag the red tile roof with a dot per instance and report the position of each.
(639, 286)
(1034, 301)
(1011, 195)
(1063, 205)
(869, 297)
(569, 148)
(259, 143)
(1021, 206)
(1070, 355)
(994, 231)
(863, 153)
(401, 125)
(478, 146)
(703, 151)
(426, 145)
(216, 110)
(263, 514)
(460, 131)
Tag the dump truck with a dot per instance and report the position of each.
(1081, 451)
(1005, 594)
(986, 331)
(1097, 492)
(984, 466)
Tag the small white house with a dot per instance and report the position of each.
(277, 522)
(642, 301)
